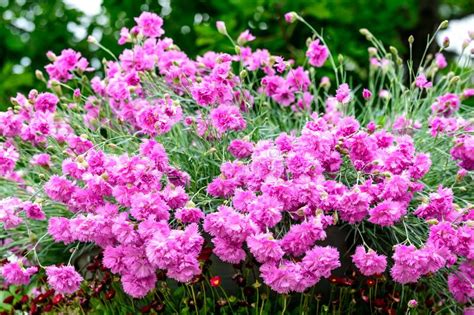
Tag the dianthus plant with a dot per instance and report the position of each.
(132, 186)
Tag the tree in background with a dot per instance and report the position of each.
(30, 28)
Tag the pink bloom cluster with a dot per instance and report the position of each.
(139, 240)
(64, 279)
(15, 273)
(65, 65)
(11, 209)
(290, 175)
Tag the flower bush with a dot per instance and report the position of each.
(138, 180)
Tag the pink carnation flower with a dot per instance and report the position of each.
(149, 24)
(369, 263)
(317, 54)
(63, 279)
(343, 94)
(14, 273)
(227, 117)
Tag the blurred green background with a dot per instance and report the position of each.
(28, 29)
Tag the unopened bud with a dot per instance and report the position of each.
(243, 74)
(411, 39)
(39, 75)
(471, 34)
(51, 56)
(465, 43)
(221, 27)
(454, 80)
(444, 25)
(56, 87)
(340, 58)
(237, 50)
(394, 51)
(432, 221)
(446, 42)
(290, 17)
(92, 40)
(368, 35)
(372, 51)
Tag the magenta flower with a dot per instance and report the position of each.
(149, 24)
(14, 273)
(343, 94)
(63, 279)
(317, 54)
(422, 83)
(366, 94)
(369, 263)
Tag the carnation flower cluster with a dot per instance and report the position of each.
(273, 202)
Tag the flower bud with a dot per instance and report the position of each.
(412, 304)
(243, 74)
(91, 39)
(290, 17)
(340, 58)
(39, 75)
(444, 25)
(372, 51)
(51, 56)
(465, 43)
(446, 42)
(454, 80)
(325, 83)
(368, 35)
(221, 27)
(366, 94)
(411, 39)
(394, 51)
(432, 221)
(56, 87)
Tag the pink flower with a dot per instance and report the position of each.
(149, 24)
(460, 283)
(320, 261)
(369, 263)
(33, 211)
(177, 252)
(65, 64)
(245, 37)
(220, 25)
(46, 102)
(422, 82)
(64, 279)
(9, 212)
(290, 17)
(441, 62)
(446, 105)
(227, 117)
(264, 247)
(467, 93)
(14, 273)
(138, 287)
(387, 213)
(189, 215)
(366, 94)
(240, 148)
(317, 54)
(343, 94)
(463, 151)
(59, 229)
(41, 159)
